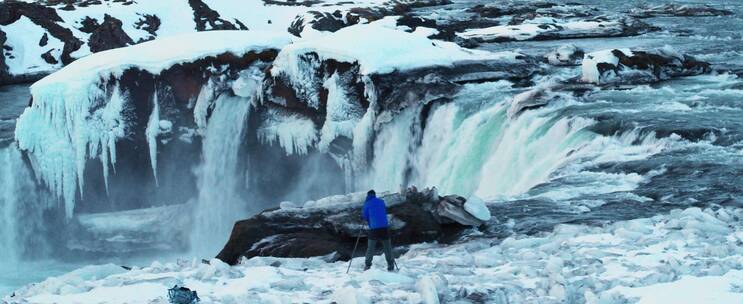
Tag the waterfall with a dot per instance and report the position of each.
(21, 207)
(471, 146)
(219, 203)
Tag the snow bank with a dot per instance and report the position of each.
(378, 50)
(74, 118)
(686, 256)
(158, 55)
(554, 29)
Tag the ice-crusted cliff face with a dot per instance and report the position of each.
(222, 120)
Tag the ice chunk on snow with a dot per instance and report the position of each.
(432, 288)
(477, 208)
(349, 295)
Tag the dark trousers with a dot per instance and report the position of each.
(380, 235)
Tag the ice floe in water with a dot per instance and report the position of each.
(686, 256)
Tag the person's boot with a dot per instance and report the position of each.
(390, 268)
(367, 267)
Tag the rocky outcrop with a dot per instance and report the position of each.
(333, 21)
(209, 19)
(625, 66)
(149, 23)
(331, 225)
(108, 35)
(678, 10)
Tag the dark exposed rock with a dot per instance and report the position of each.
(109, 35)
(332, 225)
(208, 19)
(640, 66)
(148, 23)
(325, 21)
(678, 10)
(44, 40)
(89, 25)
(49, 58)
(4, 75)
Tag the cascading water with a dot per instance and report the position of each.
(219, 203)
(21, 209)
(472, 146)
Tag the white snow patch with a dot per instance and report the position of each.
(379, 50)
(24, 37)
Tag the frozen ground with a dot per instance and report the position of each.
(687, 256)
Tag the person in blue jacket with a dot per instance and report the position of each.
(375, 213)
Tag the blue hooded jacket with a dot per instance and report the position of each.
(375, 212)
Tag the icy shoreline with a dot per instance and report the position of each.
(696, 253)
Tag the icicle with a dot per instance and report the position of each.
(152, 131)
(342, 114)
(61, 131)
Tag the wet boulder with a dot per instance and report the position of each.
(626, 66)
(331, 225)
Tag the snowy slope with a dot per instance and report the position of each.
(84, 28)
(687, 256)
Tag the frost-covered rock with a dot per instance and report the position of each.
(639, 66)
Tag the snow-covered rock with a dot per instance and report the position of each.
(565, 55)
(551, 29)
(639, 66)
